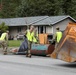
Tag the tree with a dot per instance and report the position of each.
(23, 8)
(38, 7)
(3, 27)
(69, 7)
(8, 8)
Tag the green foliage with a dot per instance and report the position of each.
(38, 7)
(8, 8)
(68, 7)
(15, 43)
(3, 27)
(23, 8)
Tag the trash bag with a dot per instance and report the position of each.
(23, 47)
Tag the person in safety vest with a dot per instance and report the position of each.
(4, 41)
(58, 36)
(29, 34)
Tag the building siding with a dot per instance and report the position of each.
(14, 30)
(49, 29)
(62, 25)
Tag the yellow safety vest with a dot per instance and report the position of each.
(34, 39)
(59, 36)
(30, 36)
(3, 36)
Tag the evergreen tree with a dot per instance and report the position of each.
(8, 8)
(23, 8)
(38, 7)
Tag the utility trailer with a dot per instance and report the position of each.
(66, 49)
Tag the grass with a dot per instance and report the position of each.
(15, 43)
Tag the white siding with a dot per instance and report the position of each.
(49, 29)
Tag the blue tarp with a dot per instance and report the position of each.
(23, 47)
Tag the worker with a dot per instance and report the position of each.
(4, 41)
(57, 37)
(29, 34)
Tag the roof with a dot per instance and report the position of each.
(56, 19)
(13, 21)
(23, 20)
(37, 20)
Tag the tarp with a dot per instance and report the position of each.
(23, 47)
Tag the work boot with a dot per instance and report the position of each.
(5, 53)
(29, 55)
(26, 55)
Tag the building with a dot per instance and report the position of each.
(44, 24)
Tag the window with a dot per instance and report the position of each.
(19, 29)
(41, 29)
